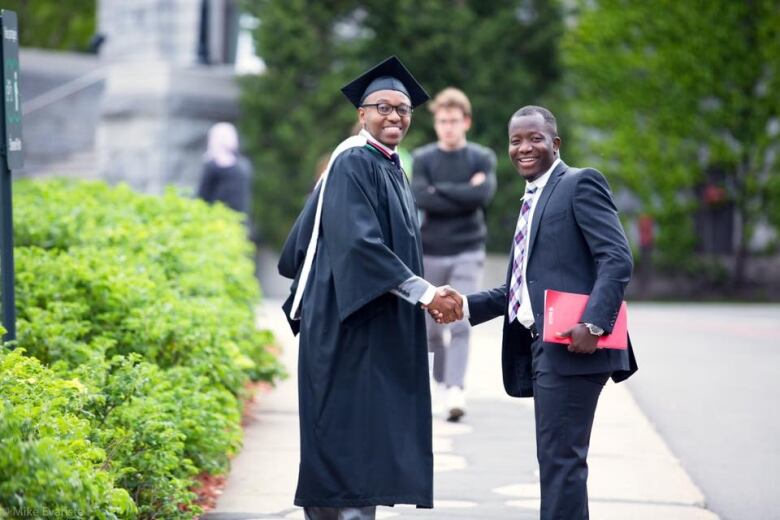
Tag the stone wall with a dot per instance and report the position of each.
(138, 113)
(149, 30)
(58, 127)
(159, 102)
(154, 121)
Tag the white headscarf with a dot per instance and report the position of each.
(223, 145)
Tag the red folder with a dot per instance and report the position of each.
(563, 310)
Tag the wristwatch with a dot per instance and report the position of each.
(594, 329)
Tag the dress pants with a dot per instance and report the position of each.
(564, 407)
(339, 513)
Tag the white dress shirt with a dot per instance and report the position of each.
(525, 314)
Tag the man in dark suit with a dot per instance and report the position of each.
(568, 238)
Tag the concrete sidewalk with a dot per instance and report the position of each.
(485, 466)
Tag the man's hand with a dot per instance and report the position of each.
(582, 341)
(478, 178)
(447, 305)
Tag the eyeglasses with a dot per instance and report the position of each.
(385, 109)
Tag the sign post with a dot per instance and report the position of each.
(11, 158)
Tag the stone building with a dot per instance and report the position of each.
(139, 110)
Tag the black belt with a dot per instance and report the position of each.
(533, 331)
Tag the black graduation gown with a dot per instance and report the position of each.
(364, 396)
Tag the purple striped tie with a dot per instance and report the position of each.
(519, 245)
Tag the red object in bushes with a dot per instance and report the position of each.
(713, 194)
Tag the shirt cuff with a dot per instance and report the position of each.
(428, 295)
(414, 290)
(466, 313)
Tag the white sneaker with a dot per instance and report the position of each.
(456, 403)
(438, 397)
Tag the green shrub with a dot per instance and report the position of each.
(47, 459)
(141, 309)
(166, 277)
(137, 419)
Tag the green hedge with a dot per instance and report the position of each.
(136, 324)
(47, 459)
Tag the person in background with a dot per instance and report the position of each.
(226, 173)
(453, 182)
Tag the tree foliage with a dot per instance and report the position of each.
(52, 24)
(666, 92)
(501, 53)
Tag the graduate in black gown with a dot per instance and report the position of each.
(364, 396)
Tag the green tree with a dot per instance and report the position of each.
(665, 93)
(52, 24)
(502, 54)
(294, 112)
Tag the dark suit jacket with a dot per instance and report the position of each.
(576, 245)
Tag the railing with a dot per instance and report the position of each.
(63, 91)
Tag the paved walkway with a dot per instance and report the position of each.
(485, 466)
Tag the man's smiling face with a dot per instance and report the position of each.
(389, 129)
(533, 145)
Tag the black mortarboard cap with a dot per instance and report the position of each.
(388, 75)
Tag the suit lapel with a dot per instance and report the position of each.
(555, 177)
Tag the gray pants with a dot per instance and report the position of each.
(464, 273)
(339, 513)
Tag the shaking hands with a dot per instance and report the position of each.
(447, 305)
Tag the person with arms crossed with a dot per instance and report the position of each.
(355, 256)
(568, 238)
(454, 180)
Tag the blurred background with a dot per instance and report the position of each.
(675, 102)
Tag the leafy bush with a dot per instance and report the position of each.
(47, 459)
(139, 310)
(114, 272)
